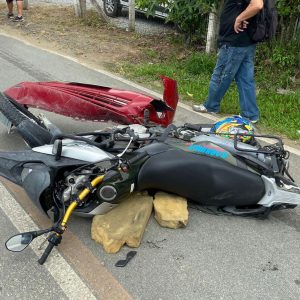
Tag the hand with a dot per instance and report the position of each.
(240, 25)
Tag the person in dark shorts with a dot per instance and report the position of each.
(235, 59)
(10, 6)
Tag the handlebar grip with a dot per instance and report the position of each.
(137, 157)
(46, 253)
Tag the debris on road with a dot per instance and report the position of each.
(126, 223)
(170, 210)
(123, 225)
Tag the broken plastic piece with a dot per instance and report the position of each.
(122, 263)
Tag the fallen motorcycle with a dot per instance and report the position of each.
(90, 173)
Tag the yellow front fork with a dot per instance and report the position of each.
(80, 199)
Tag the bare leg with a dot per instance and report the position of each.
(20, 8)
(10, 6)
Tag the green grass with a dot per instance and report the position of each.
(280, 114)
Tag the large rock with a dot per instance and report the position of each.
(125, 224)
(170, 210)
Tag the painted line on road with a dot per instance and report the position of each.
(137, 86)
(56, 265)
(79, 258)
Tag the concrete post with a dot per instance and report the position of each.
(212, 32)
(131, 16)
(80, 8)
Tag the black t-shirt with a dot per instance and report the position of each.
(227, 35)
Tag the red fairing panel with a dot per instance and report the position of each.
(97, 103)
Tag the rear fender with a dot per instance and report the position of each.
(100, 103)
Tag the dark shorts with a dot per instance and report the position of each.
(10, 1)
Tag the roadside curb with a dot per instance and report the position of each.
(80, 277)
(56, 265)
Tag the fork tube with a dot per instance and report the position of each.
(81, 197)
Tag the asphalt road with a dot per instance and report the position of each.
(215, 257)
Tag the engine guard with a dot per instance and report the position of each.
(98, 103)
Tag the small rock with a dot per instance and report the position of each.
(170, 210)
(125, 224)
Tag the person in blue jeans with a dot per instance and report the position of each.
(235, 59)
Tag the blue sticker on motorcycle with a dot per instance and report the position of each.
(211, 151)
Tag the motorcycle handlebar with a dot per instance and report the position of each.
(46, 253)
(79, 138)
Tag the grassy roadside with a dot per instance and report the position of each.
(143, 58)
(279, 104)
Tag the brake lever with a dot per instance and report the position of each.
(43, 243)
(54, 240)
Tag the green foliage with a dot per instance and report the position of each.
(282, 60)
(288, 7)
(188, 15)
(277, 64)
(200, 63)
(193, 73)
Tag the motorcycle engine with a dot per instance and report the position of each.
(74, 184)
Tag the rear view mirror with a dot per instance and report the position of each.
(19, 242)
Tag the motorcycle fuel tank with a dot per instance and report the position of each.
(209, 179)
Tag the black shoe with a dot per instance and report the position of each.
(18, 19)
(10, 15)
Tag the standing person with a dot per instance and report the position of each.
(10, 6)
(235, 59)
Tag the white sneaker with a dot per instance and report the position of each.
(200, 108)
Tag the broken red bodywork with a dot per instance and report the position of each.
(97, 103)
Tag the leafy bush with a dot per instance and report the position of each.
(282, 60)
(188, 15)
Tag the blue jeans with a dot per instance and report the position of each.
(234, 63)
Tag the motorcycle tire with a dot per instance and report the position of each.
(24, 110)
(29, 127)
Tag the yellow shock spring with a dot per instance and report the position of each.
(81, 197)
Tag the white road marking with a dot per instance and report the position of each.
(56, 265)
(145, 90)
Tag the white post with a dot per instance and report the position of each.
(212, 32)
(131, 16)
(80, 8)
